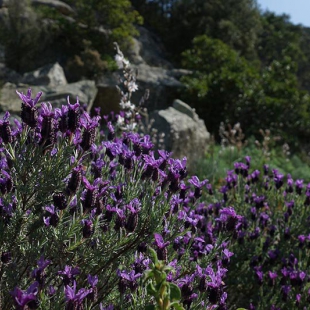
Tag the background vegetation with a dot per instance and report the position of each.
(248, 66)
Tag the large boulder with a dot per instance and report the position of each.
(9, 101)
(50, 75)
(148, 49)
(155, 72)
(163, 84)
(85, 90)
(184, 133)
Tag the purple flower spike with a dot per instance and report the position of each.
(73, 115)
(23, 298)
(5, 129)
(74, 181)
(39, 273)
(299, 186)
(29, 113)
(132, 220)
(198, 185)
(47, 109)
(53, 217)
(226, 257)
(241, 168)
(92, 280)
(159, 241)
(74, 300)
(26, 99)
(285, 290)
(68, 274)
(272, 278)
(88, 228)
(162, 252)
(127, 280)
(278, 178)
(42, 263)
(229, 218)
(89, 124)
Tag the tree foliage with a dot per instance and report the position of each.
(279, 38)
(90, 31)
(236, 23)
(222, 82)
(226, 87)
(116, 17)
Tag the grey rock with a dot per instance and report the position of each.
(184, 136)
(148, 49)
(107, 98)
(9, 101)
(4, 3)
(149, 58)
(85, 90)
(50, 75)
(185, 108)
(60, 6)
(161, 83)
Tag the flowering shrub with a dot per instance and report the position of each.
(83, 211)
(270, 266)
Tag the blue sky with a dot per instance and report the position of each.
(299, 10)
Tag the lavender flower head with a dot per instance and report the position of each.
(24, 298)
(29, 114)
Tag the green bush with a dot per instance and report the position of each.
(225, 87)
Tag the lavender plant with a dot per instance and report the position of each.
(79, 215)
(270, 266)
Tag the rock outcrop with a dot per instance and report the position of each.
(85, 90)
(154, 72)
(60, 6)
(184, 133)
(51, 75)
(163, 85)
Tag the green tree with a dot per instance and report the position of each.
(84, 42)
(278, 38)
(304, 61)
(116, 18)
(223, 86)
(285, 109)
(236, 23)
(226, 87)
(35, 34)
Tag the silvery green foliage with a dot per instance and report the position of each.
(79, 211)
